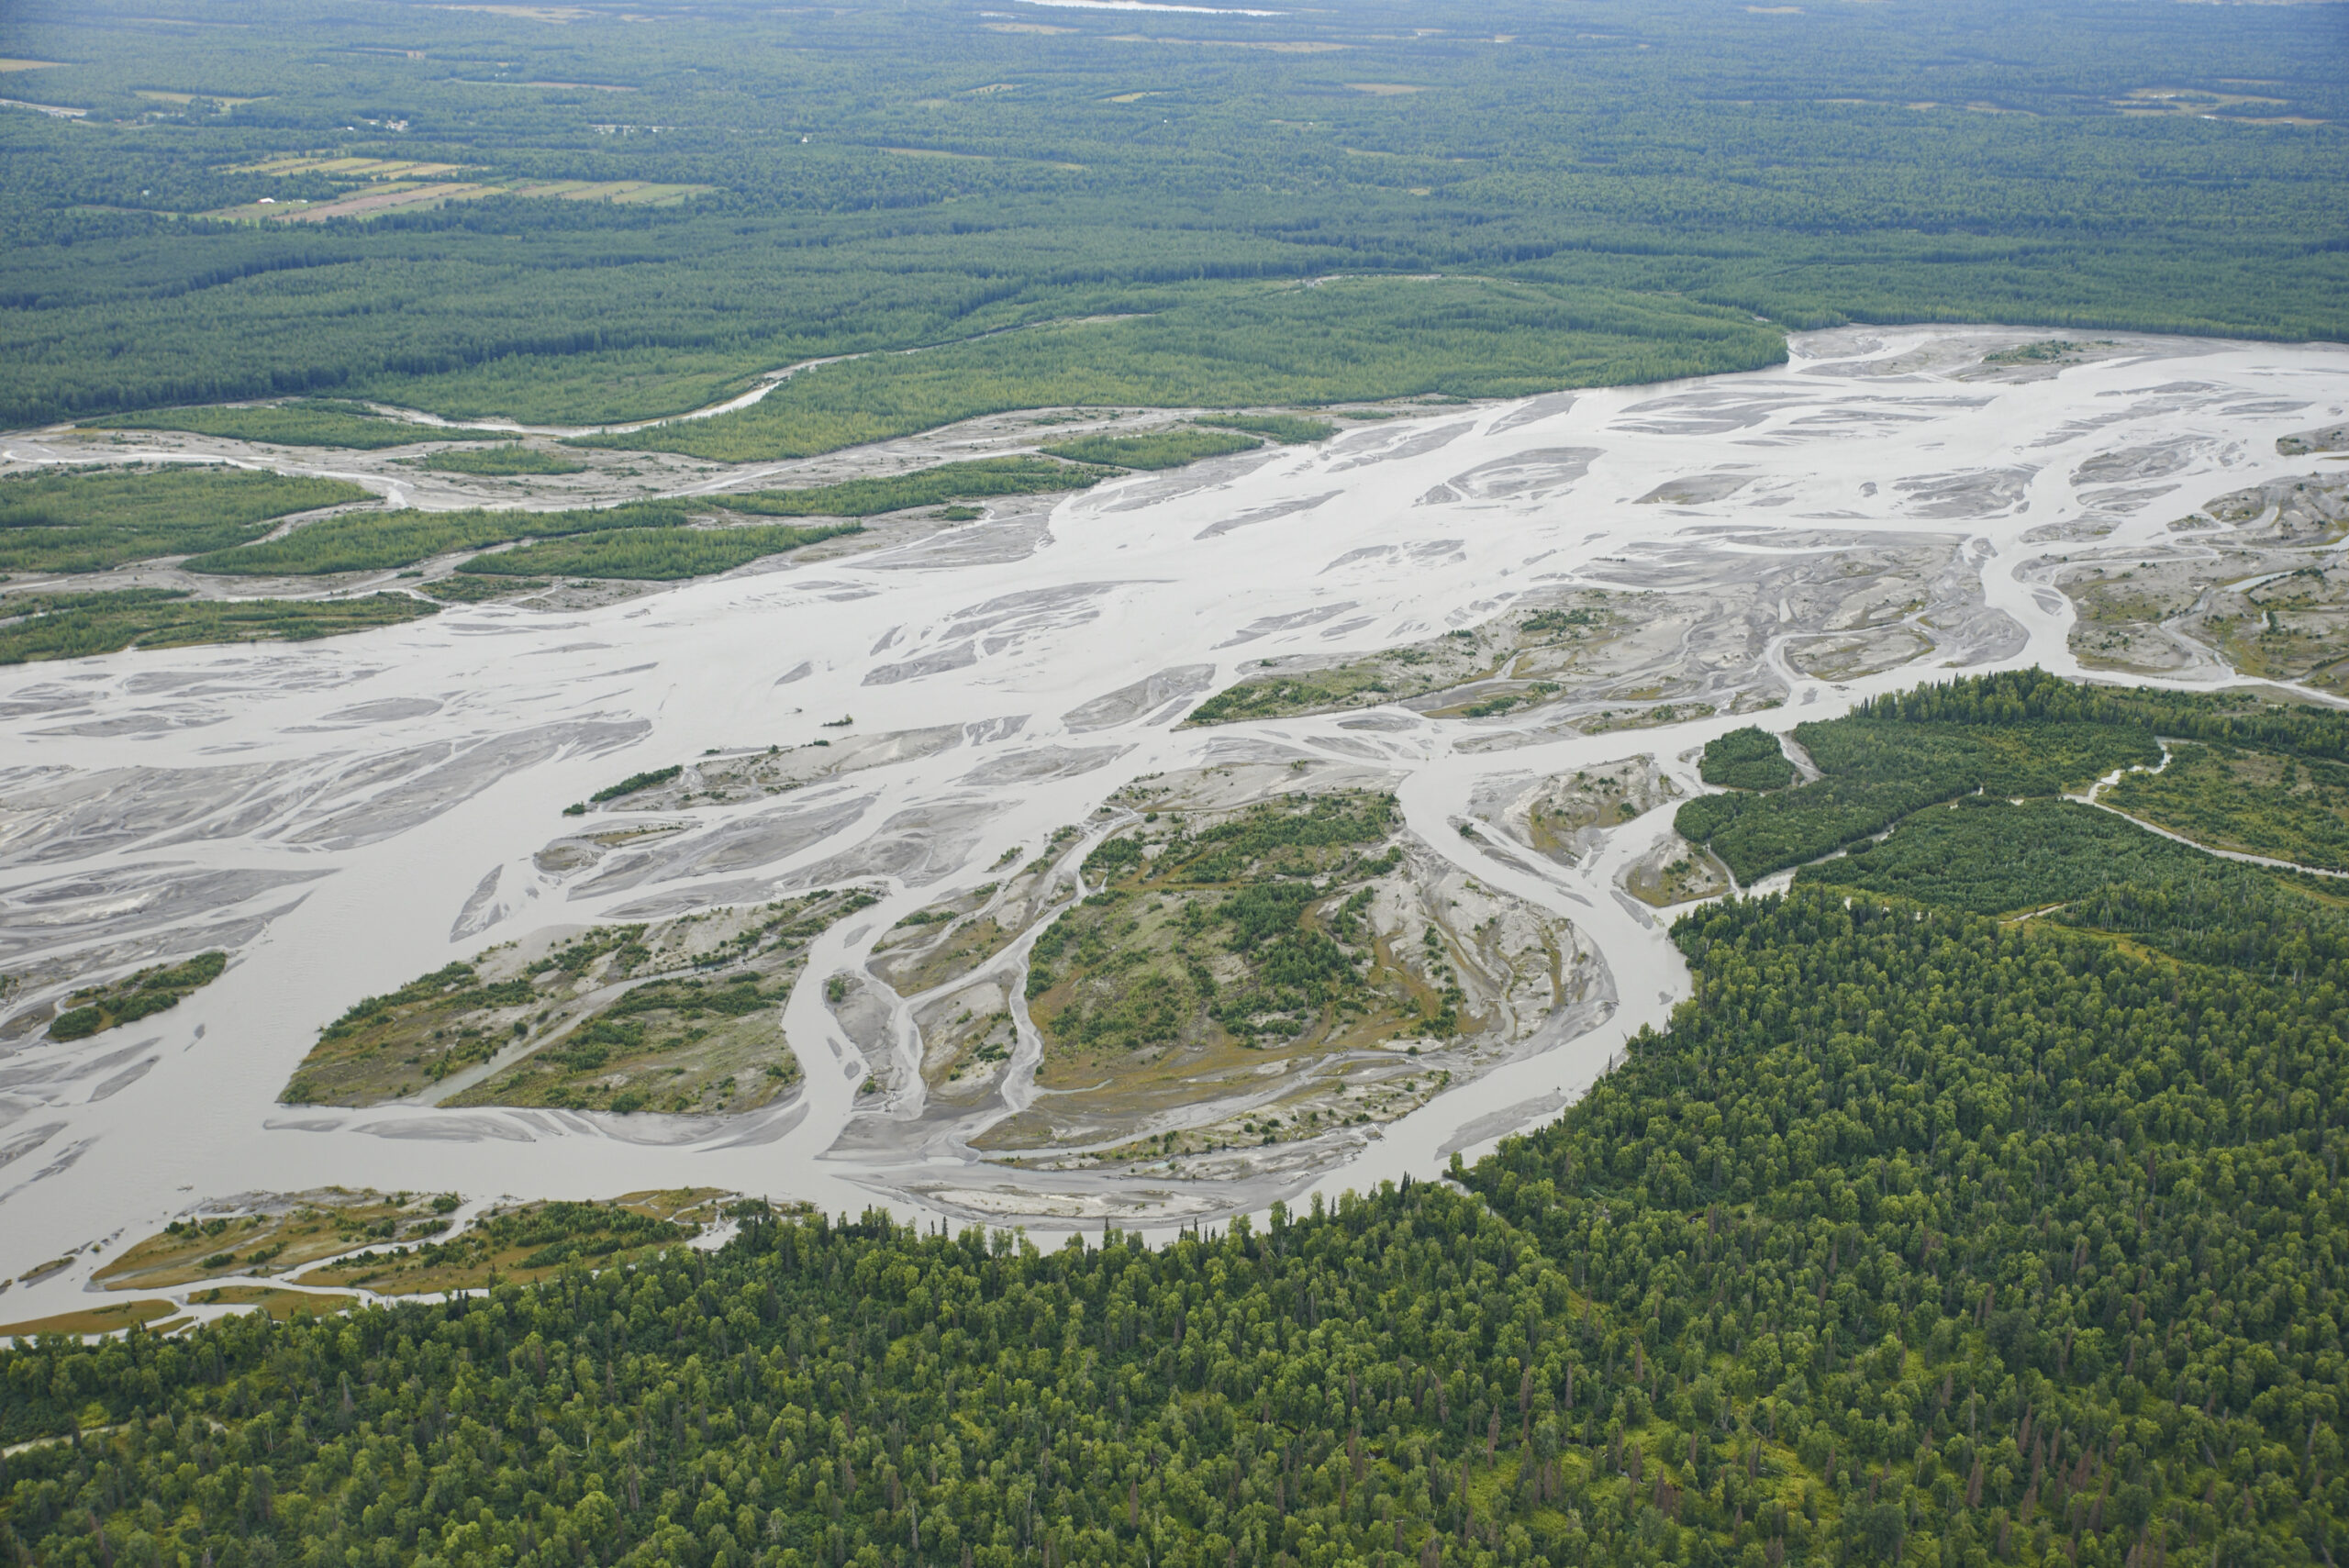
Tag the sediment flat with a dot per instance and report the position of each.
(344, 817)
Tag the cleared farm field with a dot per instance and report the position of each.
(400, 196)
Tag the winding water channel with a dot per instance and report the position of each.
(333, 812)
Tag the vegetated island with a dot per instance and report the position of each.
(90, 520)
(220, 524)
(1481, 671)
(1263, 959)
(76, 626)
(96, 518)
(512, 459)
(299, 422)
(389, 1244)
(96, 1008)
(682, 1016)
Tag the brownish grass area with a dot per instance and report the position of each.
(292, 1231)
(278, 1304)
(91, 1320)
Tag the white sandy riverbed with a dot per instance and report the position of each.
(333, 811)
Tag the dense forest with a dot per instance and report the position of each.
(2025, 734)
(590, 213)
(1879, 770)
(1920, 1236)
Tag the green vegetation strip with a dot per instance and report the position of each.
(531, 1241)
(136, 997)
(1273, 696)
(1987, 855)
(1156, 449)
(481, 590)
(1288, 429)
(75, 626)
(635, 782)
(974, 480)
(1362, 340)
(378, 541)
(661, 555)
(492, 461)
(693, 1040)
(1456, 659)
(1920, 1238)
(320, 424)
(2054, 351)
(94, 519)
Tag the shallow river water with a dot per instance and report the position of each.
(349, 814)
